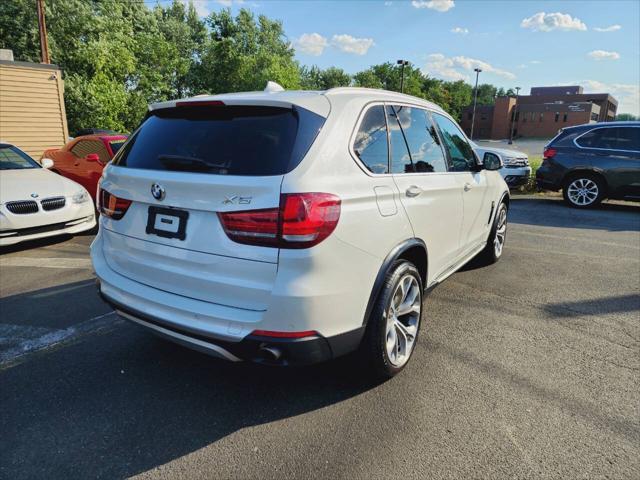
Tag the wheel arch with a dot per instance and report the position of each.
(585, 171)
(413, 250)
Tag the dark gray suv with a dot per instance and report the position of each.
(592, 162)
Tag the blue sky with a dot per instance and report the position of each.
(517, 43)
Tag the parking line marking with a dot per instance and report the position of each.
(582, 239)
(46, 262)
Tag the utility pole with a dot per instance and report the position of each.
(475, 101)
(42, 26)
(403, 63)
(513, 119)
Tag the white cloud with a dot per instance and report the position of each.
(227, 3)
(604, 55)
(546, 22)
(437, 5)
(200, 5)
(610, 28)
(388, 4)
(522, 65)
(454, 68)
(349, 44)
(460, 30)
(535, 62)
(311, 44)
(628, 95)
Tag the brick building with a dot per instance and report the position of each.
(540, 114)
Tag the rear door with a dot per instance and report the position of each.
(472, 183)
(181, 168)
(430, 196)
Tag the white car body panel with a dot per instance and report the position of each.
(38, 184)
(213, 286)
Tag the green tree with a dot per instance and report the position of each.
(242, 54)
(625, 117)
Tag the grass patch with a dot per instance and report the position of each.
(530, 186)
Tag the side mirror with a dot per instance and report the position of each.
(492, 161)
(46, 163)
(92, 157)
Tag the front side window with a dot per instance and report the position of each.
(13, 159)
(371, 141)
(461, 156)
(412, 130)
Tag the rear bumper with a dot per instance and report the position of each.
(547, 180)
(290, 352)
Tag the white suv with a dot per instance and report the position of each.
(290, 228)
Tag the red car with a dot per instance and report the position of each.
(83, 158)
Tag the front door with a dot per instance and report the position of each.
(472, 183)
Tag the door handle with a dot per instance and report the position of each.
(413, 191)
(467, 187)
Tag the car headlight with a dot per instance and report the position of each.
(80, 197)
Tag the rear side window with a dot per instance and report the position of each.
(419, 134)
(224, 140)
(370, 144)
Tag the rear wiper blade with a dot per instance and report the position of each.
(180, 162)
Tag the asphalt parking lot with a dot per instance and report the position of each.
(528, 368)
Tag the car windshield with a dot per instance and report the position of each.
(12, 158)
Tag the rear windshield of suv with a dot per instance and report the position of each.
(223, 140)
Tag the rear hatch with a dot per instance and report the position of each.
(183, 166)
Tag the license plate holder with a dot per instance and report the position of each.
(167, 222)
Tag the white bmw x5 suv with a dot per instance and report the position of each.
(294, 227)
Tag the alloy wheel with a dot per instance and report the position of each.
(403, 320)
(582, 192)
(501, 232)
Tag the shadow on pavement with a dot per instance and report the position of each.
(33, 244)
(547, 212)
(598, 306)
(123, 402)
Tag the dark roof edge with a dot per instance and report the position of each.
(44, 66)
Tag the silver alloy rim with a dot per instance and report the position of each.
(403, 320)
(582, 191)
(501, 232)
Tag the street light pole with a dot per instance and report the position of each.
(403, 63)
(513, 119)
(475, 100)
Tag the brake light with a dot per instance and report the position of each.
(200, 103)
(549, 152)
(111, 206)
(302, 221)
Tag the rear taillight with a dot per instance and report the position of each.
(302, 221)
(111, 206)
(549, 153)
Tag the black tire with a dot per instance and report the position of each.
(373, 349)
(582, 187)
(491, 254)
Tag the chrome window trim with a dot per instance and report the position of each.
(384, 103)
(605, 149)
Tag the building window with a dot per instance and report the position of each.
(564, 118)
(517, 116)
(557, 117)
(541, 116)
(524, 117)
(533, 116)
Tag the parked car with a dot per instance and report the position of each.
(290, 228)
(83, 158)
(36, 203)
(592, 162)
(516, 170)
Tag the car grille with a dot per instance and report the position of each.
(52, 203)
(22, 207)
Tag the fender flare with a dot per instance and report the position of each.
(395, 253)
